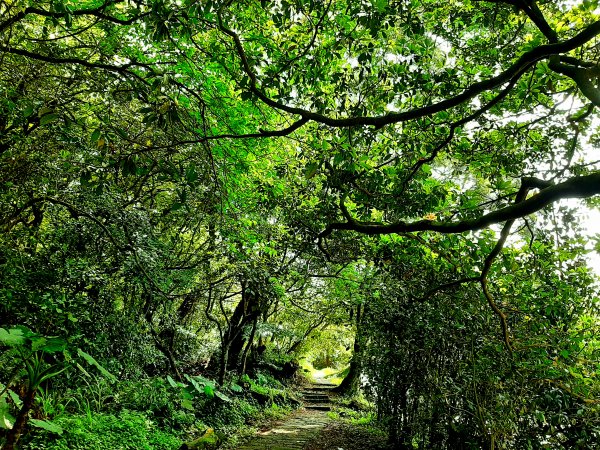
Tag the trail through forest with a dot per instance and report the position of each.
(301, 427)
(203, 203)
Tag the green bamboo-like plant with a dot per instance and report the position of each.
(30, 350)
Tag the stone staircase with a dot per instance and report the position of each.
(316, 396)
(299, 428)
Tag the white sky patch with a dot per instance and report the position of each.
(590, 223)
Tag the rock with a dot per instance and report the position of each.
(208, 441)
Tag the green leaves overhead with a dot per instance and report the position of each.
(180, 179)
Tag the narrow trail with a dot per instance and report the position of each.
(296, 430)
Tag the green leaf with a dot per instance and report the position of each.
(37, 343)
(209, 391)
(48, 118)
(222, 396)
(47, 425)
(15, 398)
(121, 132)
(85, 372)
(91, 361)
(95, 135)
(50, 372)
(7, 420)
(12, 337)
(236, 387)
(191, 175)
(187, 404)
(172, 382)
(379, 5)
(195, 384)
(44, 111)
(51, 344)
(311, 169)
(28, 112)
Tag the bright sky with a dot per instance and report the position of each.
(591, 225)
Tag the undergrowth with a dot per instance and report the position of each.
(153, 414)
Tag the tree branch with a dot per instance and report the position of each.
(575, 187)
(582, 74)
(526, 185)
(123, 70)
(511, 73)
(96, 12)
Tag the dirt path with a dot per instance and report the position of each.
(298, 429)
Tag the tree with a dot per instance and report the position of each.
(177, 164)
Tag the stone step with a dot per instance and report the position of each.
(314, 397)
(290, 434)
(318, 407)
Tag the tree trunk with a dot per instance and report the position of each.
(247, 311)
(166, 350)
(15, 433)
(223, 363)
(248, 345)
(350, 384)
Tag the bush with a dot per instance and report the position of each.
(153, 395)
(127, 431)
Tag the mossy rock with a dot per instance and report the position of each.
(210, 440)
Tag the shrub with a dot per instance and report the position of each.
(127, 431)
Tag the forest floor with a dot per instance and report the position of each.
(346, 436)
(293, 433)
(312, 428)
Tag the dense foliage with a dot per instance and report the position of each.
(214, 188)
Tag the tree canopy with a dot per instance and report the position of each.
(183, 181)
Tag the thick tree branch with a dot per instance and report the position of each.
(123, 70)
(531, 9)
(261, 134)
(576, 187)
(586, 76)
(95, 12)
(511, 73)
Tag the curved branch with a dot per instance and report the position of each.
(123, 70)
(531, 9)
(443, 287)
(75, 213)
(575, 187)
(497, 99)
(489, 260)
(511, 73)
(96, 12)
(583, 76)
